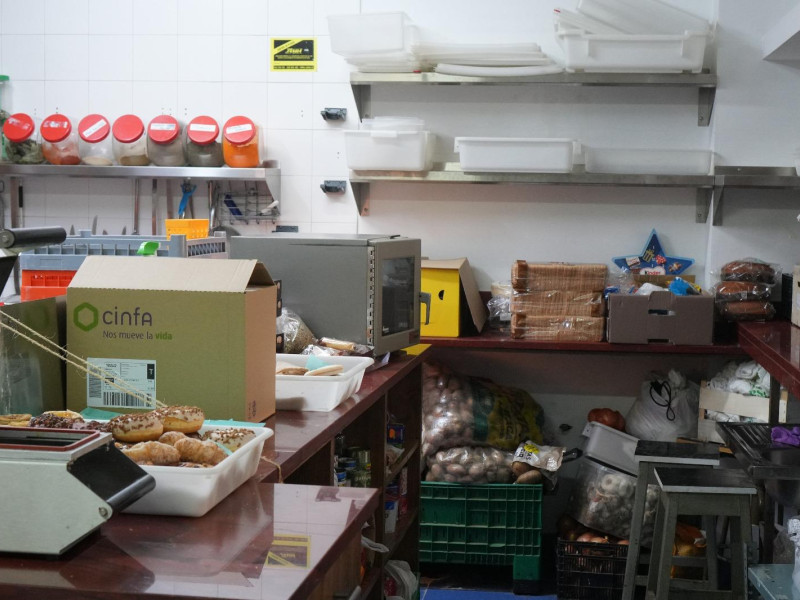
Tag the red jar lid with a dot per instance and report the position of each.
(18, 127)
(128, 128)
(55, 128)
(164, 129)
(93, 128)
(239, 130)
(202, 130)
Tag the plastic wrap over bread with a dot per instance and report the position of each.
(739, 291)
(558, 302)
(750, 269)
(585, 277)
(747, 310)
(554, 328)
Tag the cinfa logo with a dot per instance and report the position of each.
(85, 316)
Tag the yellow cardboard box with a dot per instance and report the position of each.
(184, 331)
(456, 305)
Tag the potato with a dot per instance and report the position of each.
(532, 476)
(519, 467)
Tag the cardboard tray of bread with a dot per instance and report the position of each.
(323, 391)
(192, 492)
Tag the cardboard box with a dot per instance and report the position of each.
(661, 317)
(197, 332)
(31, 379)
(796, 296)
(753, 407)
(456, 305)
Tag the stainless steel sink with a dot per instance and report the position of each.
(785, 491)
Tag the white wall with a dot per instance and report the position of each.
(187, 57)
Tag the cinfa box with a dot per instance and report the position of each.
(183, 331)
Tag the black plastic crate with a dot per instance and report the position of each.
(590, 571)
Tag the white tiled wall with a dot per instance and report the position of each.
(188, 57)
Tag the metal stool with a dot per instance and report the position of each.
(705, 492)
(648, 456)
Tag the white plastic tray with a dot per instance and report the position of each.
(515, 155)
(189, 492)
(319, 393)
(386, 150)
(643, 16)
(371, 33)
(648, 161)
(611, 446)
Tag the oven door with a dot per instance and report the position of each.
(396, 281)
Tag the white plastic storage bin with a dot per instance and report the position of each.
(371, 33)
(648, 161)
(515, 155)
(601, 53)
(388, 150)
(319, 392)
(643, 16)
(611, 446)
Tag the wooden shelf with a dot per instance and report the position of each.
(371, 578)
(404, 523)
(409, 451)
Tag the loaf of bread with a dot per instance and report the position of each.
(749, 310)
(743, 270)
(537, 277)
(558, 302)
(551, 328)
(741, 290)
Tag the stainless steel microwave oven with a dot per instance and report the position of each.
(360, 288)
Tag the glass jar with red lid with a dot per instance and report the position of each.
(21, 140)
(95, 141)
(165, 142)
(203, 143)
(240, 143)
(59, 141)
(130, 142)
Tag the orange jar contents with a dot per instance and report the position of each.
(59, 141)
(240, 143)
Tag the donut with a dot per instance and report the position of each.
(138, 427)
(192, 450)
(152, 453)
(52, 421)
(186, 419)
(231, 438)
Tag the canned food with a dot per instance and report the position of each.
(362, 457)
(347, 463)
(341, 478)
(362, 478)
(395, 434)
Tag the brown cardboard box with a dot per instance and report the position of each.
(661, 317)
(746, 407)
(186, 331)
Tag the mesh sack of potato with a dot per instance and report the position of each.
(471, 411)
(470, 464)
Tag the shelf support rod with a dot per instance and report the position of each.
(705, 105)
(716, 201)
(362, 94)
(361, 195)
(703, 204)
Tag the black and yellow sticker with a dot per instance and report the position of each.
(297, 54)
(289, 550)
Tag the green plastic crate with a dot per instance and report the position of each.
(483, 524)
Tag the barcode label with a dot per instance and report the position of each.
(122, 383)
(121, 399)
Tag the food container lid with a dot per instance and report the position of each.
(128, 128)
(202, 130)
(55, 128)
(93, 128)
(18, 127)
(163, 129)
(239, 130)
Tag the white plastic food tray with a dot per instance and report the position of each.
(387, 150)
(320, 393)
(515, 155)
(371, 33)
(603, 53)
(610, 446)
(188, 492)
(649, 161)
(643, 16)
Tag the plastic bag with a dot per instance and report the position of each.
(469, 411)
(793, 529)
(296, 334)
(499, 313)
(470, 464)
(666, 409)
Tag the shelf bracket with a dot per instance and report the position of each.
(362, 94)
(703, 204)
(705, 105)
(716, 200)
(361, 195)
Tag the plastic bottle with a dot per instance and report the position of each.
(95, 141)
(129, 143)
(165, 142)
(203, 143)
(240, 143)
(21, 140)
(59, 141)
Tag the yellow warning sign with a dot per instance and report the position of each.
(297, 54)
(289, 550)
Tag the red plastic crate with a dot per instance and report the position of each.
(36, 285)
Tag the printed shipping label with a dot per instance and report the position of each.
(135, 375)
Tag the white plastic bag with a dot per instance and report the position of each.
(793, 529)
(665, 409)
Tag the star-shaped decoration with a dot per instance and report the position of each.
(653, 260)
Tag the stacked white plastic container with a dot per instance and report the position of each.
(375, 42)
(389, 144)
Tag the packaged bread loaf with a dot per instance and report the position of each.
(747, 310)
(726, 291)
(749, 269)
(558, 302)
(583, 277)
(554, 328)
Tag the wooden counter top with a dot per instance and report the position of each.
(220, 555)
